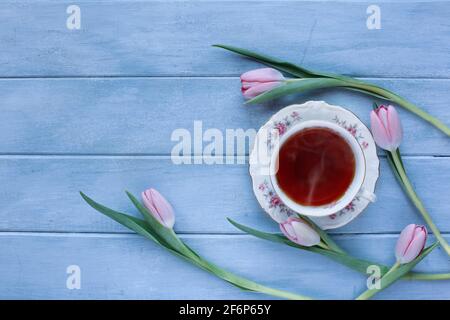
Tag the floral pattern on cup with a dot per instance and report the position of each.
(273, 200)
(354, 130)
(348, 209)
(280, 127)
(274, 203)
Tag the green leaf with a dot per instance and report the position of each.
(249, 285)
(390, 157)
(168, 235)
(272, 62)
(144, 229)
(351, 83)
(152, 222)
(394, 169)
(411, 193)
(354, 263)
(397, 151)
(281, 65)
(385, 94)
(137, 225)
(370, 93)
(390, 277)
(287, 67)
(296, 86)
(260, 234)
(324, 236)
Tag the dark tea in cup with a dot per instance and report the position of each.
(316, 166)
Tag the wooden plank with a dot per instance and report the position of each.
(120, 38)
(138, 116)
(41, 194)
(33, 266)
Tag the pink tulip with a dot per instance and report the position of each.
(386, 127)
(300, 232)
(159, 207)
(258, 81)
(410, 243)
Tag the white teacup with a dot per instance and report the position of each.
(355, 189)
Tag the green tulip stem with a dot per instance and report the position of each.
(369, 293)
(313, 80)
(166, 238)
(244, 283)
(401, 102)
(323, 245)
(380, 92)
(426, 276)
(393, 268)
(403, 178)
(336, 253)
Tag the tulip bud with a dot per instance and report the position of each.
(159, 207)
(410, 243)
(258, 81)
(386, 127)
(300, 232)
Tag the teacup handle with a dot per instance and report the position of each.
(364, 193)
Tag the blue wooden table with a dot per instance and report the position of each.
(94, 108)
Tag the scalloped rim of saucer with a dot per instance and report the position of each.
(291, 115)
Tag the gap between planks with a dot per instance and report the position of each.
(199, 76)
(182, 235)
(151, 156)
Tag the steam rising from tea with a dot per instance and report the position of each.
(316, 166)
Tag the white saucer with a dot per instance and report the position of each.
(279, 124)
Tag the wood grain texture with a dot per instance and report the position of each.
(94, 110)
(42, 194)
(138, 116)
(127, 266)
(174, 37)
